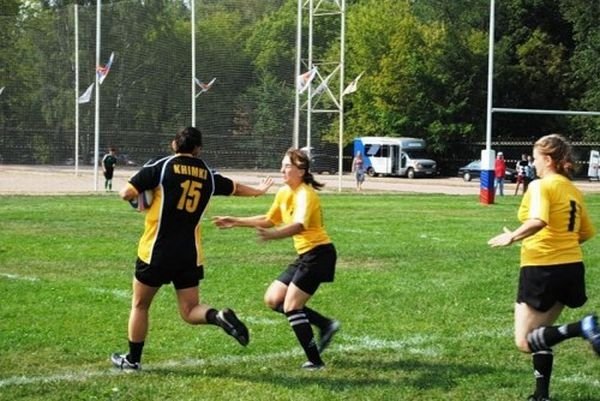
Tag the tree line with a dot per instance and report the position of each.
(424, 63)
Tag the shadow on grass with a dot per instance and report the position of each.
(353, 372)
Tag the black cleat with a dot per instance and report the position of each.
(233, 326)
(327, 334)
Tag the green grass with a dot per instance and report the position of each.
(426, 306)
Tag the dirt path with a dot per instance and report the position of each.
(50, 180)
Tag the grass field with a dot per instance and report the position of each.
(425, 305)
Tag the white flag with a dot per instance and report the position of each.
(204, 87)
(305, 79)
(323, 85)
(2, 90)
(87, 95)
(353, 85)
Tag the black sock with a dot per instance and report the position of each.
(301, 326)
(313, 316)
(211, 316)
(546, 337)
(317, 319)
(135, 352)
(542, 369)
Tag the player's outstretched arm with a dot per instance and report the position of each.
(288, 230)
(261, 189)
(230, 221)
(528, 228)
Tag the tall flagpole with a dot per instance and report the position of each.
(97, 109)
(309, 89)
(341, 95)
(193, 28)
(296, 134)
(76, 17)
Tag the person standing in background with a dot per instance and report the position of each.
(358, 168)
(499, 172)
(108, 167)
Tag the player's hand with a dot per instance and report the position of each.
(223, 221)
(265, 184)
(504, 239)
(265, 234)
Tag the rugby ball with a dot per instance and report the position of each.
(143, 201)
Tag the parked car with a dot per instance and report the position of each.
(473, 170)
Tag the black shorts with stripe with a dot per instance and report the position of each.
(156, 275)
(541, 287)
(311, 269)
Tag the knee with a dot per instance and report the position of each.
(522, 345)
(272, 302)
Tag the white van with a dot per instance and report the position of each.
(395, 156)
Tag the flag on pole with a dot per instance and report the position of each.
(352, 87)
(2, 90)
(323, 85)
(102, 71)
(204, 87)
(87, 95)
(305, 79)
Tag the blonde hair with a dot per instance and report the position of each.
(559, 150)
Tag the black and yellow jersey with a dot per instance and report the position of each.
(558, 203)
(182, 186)
(300, 205)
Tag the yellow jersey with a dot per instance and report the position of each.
(558, 203)
(300, 205)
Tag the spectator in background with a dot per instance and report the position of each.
(531, 171)
(108, 167)
(500, 172)
(358, 168)
(522, 167)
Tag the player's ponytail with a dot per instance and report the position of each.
(559, 150)
(302, 161)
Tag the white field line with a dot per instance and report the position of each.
(353, 344)
(113, 292)
(18, 277)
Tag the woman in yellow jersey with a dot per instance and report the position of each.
(555, 222)
(296, 212)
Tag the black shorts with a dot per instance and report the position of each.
(157, 275)
(541, 287)
(311, 269)
(108, 174)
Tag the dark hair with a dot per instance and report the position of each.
(559, 150)
(187, 139)
(301, 160)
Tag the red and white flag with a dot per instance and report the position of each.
(102, 71)
(204, 87)
(303, 81)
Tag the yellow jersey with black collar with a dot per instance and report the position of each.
(300, 205)
(557, 202)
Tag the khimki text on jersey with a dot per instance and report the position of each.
(194, 171)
